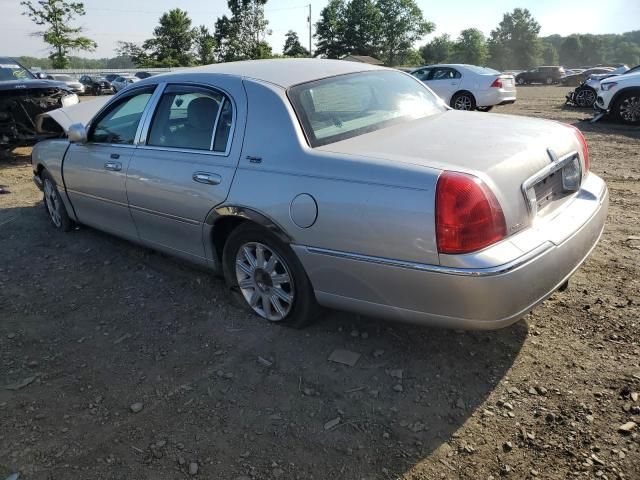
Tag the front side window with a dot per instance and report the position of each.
(345, 106)
(188, 117)
(119, 123)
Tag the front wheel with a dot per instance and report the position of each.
(520, 81)
(585, 97)
(463, 101)
(549, 81)
(267, 278)
(627, 108)
(54, 205)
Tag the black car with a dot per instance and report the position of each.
(94, 85)
(110, 77)
(546, 74)
(578, 78)
(22, 98)
(143, 75)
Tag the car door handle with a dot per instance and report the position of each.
(113, 166)
(207, 178)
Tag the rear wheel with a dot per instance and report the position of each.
(54, 205)
(463, 101)
(627, 108)
(267, 278)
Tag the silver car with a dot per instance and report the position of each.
(307, 182)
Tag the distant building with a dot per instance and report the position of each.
(362, 59)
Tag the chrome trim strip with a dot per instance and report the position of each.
(215, 124)
(147, 114)
(95, 197)
(424, 267)
(165, 215)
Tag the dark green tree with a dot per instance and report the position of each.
(204, 44)
(242, 35)
(138, 55)
(515, 44)
(571, 51)
(330, 31)
(402, 24)
(471, 47)
(549, 54)
(362, 28)
(293, 47)
(56, 16)
(172, 40)
(438, 50)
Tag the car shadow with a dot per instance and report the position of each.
(142, 327)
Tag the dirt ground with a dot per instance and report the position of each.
(93, 328)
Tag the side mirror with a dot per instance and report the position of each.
(77, 133)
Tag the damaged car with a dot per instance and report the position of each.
(22, 98)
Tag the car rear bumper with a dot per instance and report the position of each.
(492, 294)
(494, 96)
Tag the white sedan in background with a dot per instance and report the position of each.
(121, 82)
(468, 87)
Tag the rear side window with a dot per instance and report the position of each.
(191, 118)
(445, 73)
(119, 123)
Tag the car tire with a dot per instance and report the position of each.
(585, 97)
(485, 109)
(627, 108)
(53, 204)
(463, 101)
(252, 259)
(521, 81)
(548, 81)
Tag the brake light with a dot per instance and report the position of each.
(497, 83)
(468, 215)
(584, 147)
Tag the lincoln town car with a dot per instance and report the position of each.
(311, 183)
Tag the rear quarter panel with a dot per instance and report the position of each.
(365, 206)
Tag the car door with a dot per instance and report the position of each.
(185, 164)
(95, 171)
(445, 81)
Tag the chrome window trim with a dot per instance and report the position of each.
(215, 124)
(143, 126)
(142, 141)
(556, 164)
(425, 267)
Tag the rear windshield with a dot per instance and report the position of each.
(346, 106)
(482, 70)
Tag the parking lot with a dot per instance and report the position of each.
(118, 362)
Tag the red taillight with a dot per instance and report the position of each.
(497, 83)
(468, 216)
(584, 146)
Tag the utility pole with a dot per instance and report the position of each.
(309, 20)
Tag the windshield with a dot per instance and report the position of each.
(12, 70)
(346, 106)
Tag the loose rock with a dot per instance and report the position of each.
(136, 407)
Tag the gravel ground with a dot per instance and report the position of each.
(120, 363)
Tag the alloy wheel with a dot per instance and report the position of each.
(463, 102)
(52, 201)
(265, 281)
(586, 98)
(629, 109)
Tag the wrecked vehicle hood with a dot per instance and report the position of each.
(27, 83)
(63, 118)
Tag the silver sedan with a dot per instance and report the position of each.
(318, 182)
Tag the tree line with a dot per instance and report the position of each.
(385, 29)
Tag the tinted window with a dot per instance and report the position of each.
(186, 117)
(422, 74)
(346, 106)
(120, 122)
(444, 73)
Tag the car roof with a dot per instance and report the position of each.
(282, 72)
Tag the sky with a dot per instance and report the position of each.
(134, 20)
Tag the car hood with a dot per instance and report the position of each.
(29, 83)
(503, 150)
(82, 113)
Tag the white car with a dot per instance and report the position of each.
(468, 87)
(121, 82)
(620, 97)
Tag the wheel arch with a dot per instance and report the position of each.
(462, 90)
(225, 219)
(623, 91)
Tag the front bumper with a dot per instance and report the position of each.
(487, 296)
